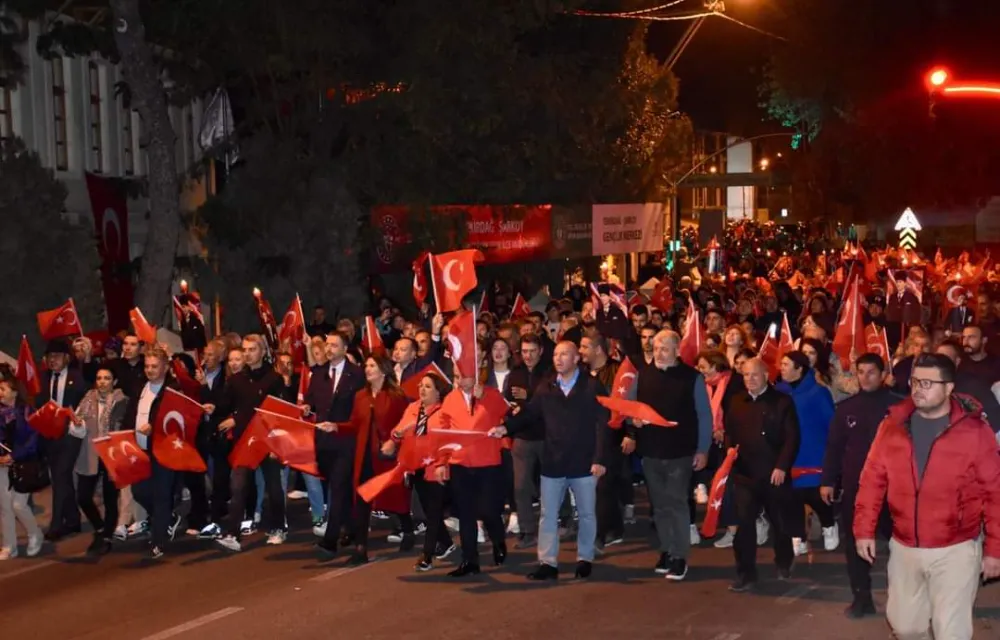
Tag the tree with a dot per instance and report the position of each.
(63, 255)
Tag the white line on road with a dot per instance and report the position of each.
(726, 636)
(27, 569)
(194, 624)
(343, 571)
(794, 594)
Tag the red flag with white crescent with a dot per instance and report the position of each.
(291, 440)
(621, 388)
(420, 284)
(143, 330)
(371, 338)
(292, 332)
(463, 344)
(305, 376)
(265, 314)
(27, 370)
(126, 463)
(175, 427)
(877, 342)
(60, 322)
(711, 522)
(693, 338)
(51, 421)
(849, 336)
(251, 449)
(453, 276)
(773, 350)
(520, 308)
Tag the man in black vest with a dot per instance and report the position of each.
(669, 455)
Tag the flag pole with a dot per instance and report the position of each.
(430, 264)
(77, 314)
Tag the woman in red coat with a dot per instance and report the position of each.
(378, 408)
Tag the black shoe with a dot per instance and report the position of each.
(784, 573)
(441, 551)
(663, 565)
(678, 570)
(743, 585)
(155, 553)
(527, 541)
(861, 607)
(345, 540)
(326, 549)
(99, 547)
(406, 544)
(583, 569)
(464, 569)
(72, 531)
(54, 535)
(499, 554)
(544, 572)
(426, 564)
(359, 557)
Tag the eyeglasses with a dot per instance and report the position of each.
(924, 383)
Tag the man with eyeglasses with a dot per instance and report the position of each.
(852, 431)
(526, 448)
(945, 468)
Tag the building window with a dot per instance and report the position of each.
(6, 114)
(59, 128)
(96, 135)
(128, 153)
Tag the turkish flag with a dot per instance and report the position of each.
(411, 385)
(520, 308)
(464, 345)
(291, 440)
(190, 386)
(251, 449)
(59, 322)
(772, 351)
(694, 335)
(27, 370)
(305, 376)
(877, 342)
(420, 279)
(371, 338)
(663, 298)
(635, 410)
(711, 522)
(50, 421)
(621, 388)
(266, 316)
(849, 336)
(292, 332)
(126, 463)
(143, 330)
(453, 275)
(175, 428)
(108, 204)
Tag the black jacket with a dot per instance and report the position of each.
(767, 432)
(852, 431)
(130, 378)
(330, 407)
(213, 394)
(246, 390)
(530, 381)
(575, 427)
(73, 391)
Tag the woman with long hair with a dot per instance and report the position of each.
(422, 416)
(497, 375)
(378, 408)
(100, 412)
(19, 444)
(733, 341)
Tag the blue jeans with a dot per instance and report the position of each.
(553, 491)
(314, 489)
(258, 479)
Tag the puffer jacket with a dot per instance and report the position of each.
(958, 492)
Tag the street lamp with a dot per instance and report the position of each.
(764, 163)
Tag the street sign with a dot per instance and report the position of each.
(908, 226)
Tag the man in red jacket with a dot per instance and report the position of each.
(945, 468)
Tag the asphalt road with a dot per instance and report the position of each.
(285, 592)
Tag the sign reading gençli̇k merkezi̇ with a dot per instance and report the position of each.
(627, 228)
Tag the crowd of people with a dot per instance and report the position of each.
(816, 435)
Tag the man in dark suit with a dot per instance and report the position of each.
(404, 352)
(66, 387)
(902, 310)
(331, 398)
(959, 316)
(212, 445)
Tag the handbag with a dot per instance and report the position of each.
(29, 476)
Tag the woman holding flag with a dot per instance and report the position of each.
(422, 416)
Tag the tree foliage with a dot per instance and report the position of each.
(46, 259)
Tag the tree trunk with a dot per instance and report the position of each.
(142, 74)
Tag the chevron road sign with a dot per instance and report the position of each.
(908, 226)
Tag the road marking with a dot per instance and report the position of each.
(343, 571)
(726, 636)
(194, 624)
(796, 593)
(28, 568)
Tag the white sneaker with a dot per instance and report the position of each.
(8, 553)
(380, 515)
(140, 528)
(831, 537)
(230, 543)
(701, 494)
(297, 495)
(800, 547)
(35, 545)
(210, 532)
(695, 536)
(629, 514)
(395, 537)
(248, 528)
(320, 530)
(451, 523)
(513, 526)
(121, 533)
(480, 533)
(419, 529)
(276, 537)
(763, 528)
(726, 541)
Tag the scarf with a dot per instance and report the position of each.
(716, 387)
(90, 415)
